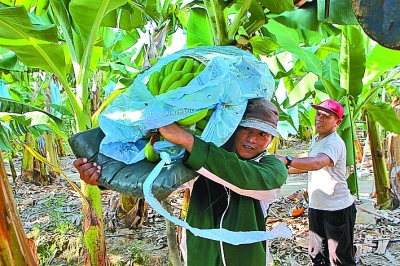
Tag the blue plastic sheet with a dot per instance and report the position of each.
(231, 77)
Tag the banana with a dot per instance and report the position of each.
(4, 106)
(153, 85)
(186, 78)
(187, 68)
(168, 68)
(169, 79)
(202, 123)
(198, 131)
(191, 119)
(162, 70)
(149, 152)
(179, 64)
(209, 113)
(199, 69)
(174, 85)
(160, 79)
(196, 65)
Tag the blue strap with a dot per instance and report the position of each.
(230, 237)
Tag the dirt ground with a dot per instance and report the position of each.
(51, 215)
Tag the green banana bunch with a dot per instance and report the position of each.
(186, 78)
(169, 80)
(191, 119)
(187, 68)
(178, 65)
(154, 86)
(175, 74)
(202, 123)
(149, 152)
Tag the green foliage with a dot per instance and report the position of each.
(199, 29)
(46, 253)
(289, 40)
(310, 56)
(384, 115)
(352, 61)
(338, 12)
(138, 254)
(59, 221)
(28, 42)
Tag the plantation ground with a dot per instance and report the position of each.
(51, 215)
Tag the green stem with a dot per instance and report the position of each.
(354, 148)
(382, 185)
(87, 54)
(369, 98)
(233, 28)
(218, 22)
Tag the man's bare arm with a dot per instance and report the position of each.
(305, 164)
(175, 134)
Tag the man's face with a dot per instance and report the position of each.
(326, 122)
(250, 142)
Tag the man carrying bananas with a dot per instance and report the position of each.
(237, 183)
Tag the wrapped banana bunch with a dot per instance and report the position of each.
(176, 75)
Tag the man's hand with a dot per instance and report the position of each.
(89, 172)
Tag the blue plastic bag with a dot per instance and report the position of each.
(232, 76)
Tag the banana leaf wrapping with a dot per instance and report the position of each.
(128, 179)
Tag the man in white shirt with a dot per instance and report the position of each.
(332, 211)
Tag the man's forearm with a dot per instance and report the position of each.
(293, 170)
(305, 164)
(175, 134)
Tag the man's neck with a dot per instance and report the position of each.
(321, 136)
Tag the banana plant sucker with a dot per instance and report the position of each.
(218, 22)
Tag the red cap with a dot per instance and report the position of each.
(332, 106)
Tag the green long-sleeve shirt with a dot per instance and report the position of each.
(209, 201)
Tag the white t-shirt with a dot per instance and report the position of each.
(327, 187)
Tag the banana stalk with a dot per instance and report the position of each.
(218, 22)
(173, 247)
(27, 159)
(233, 28)
(14, 246)
(51, 153)
(382, 184)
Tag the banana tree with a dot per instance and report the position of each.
(306, 36)
(340, 77)
(31, 88)
(15, 247)
(87, 38)
(39, 46)
(394, 154)
(382, 114)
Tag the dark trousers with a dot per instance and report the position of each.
(331, 236)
